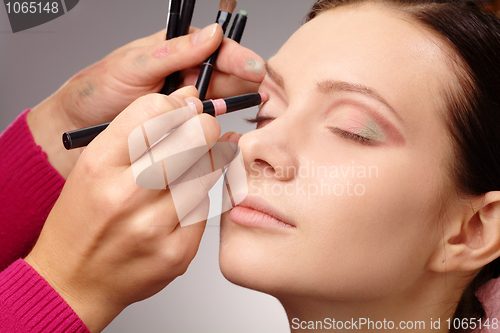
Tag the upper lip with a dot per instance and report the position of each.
(263, 206)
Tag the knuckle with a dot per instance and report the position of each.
(177, 258)
(153, 103)
(156, 104)
(114, 199)
(210, 126)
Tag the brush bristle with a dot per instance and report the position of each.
(227, 5)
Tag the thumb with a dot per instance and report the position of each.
(164, 58)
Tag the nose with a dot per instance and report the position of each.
(268, 153)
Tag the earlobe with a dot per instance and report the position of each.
(471, 239)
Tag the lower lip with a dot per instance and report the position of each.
(254, 219)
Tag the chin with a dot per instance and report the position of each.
(251, 259)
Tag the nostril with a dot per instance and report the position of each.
(259, 166)
(262, 163)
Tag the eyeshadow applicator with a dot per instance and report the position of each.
(226, 8)
(238, 26)
(82, 137)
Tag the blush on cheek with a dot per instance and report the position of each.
(163, 52)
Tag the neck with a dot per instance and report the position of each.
(426, 307)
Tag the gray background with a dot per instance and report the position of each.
(34, 63)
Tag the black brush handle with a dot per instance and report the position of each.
(203, 82)
(82, 137)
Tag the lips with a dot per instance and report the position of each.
(257, 213)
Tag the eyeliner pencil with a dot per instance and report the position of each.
(186, 17)
(226, 8)
(183, 28)
(82, 137)
(174, 8)
(238, 26)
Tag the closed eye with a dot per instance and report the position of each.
(352, 136)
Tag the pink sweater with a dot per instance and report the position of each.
(29, 187)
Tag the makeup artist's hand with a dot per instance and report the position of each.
(237, 71)
(107, 242)
(98, 93)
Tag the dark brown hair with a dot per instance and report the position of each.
(473, 108)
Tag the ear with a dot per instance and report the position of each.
(471, 238)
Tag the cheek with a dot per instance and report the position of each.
(378, 241)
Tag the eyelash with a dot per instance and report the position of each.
(347, 135)
(352, 136)
(258, 119)
(342, 133)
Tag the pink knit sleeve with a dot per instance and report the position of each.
(29, 304)
(29, 187)
(489, 296)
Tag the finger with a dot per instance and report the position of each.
(112, 144)
(198, 214)
(221, 85)
(187, 194)
(241, 62)
(185, 238)
(201, 162)
(238, 60)
(175, 154)
(142, 42)
(151, 39)
(148, 134)
(153, 63)
(194, 184)
(235, 188)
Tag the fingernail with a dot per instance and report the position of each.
(204, 34)
(254, 65)
(235, 137)
(191, 102)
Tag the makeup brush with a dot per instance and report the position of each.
(226, 8)
(238, 26)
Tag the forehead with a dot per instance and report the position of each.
(372, 45)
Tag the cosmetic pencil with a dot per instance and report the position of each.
(238, 26)
(186, 17)
(82, 137)
(174, 8)
(226, 8)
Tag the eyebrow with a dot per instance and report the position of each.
(276, 77)
(331, 86)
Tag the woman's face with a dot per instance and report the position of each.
(350, 160)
